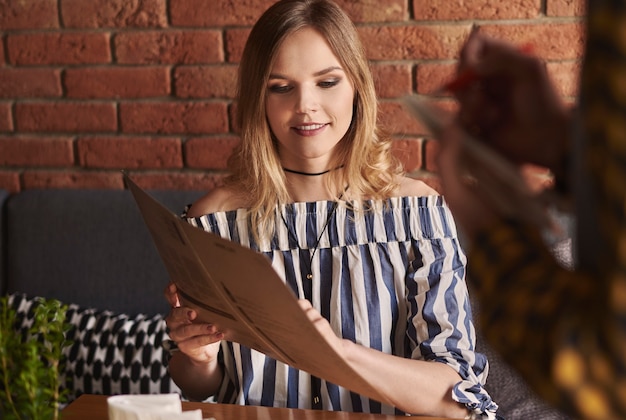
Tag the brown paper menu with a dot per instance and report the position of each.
(236, 288)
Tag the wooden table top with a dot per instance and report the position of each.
(94, 407)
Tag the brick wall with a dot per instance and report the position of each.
(90, 87)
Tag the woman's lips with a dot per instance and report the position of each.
(309, 129)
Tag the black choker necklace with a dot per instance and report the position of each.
(311, 173)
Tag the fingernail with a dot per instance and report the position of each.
(479, 46)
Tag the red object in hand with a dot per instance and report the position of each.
(468, 77)
(461, 81)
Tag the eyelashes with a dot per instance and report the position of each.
(327, 84)
(286, 88)
(279, 88)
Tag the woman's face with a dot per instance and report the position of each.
(309, 101)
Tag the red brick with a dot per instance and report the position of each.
(113, 14)
(566, 8)
(209, 152)
(566, 77)
(58, 48)
(36, 151)
(375, 10)
(235, 43)
(73, 179)
(33, 14)
(430, 77)
(396, 120)
(192, 181)
(174, 117)
(431, 145)
(169, 47)
(117, 82)
(392, 80)
(1, 52)
(476, 9)
(10, 181)
(431, 149)
(128, 152)
(6, 119)
(409, 152)
(413, 42)
(553, 41)
(30, 83)
(65, 117)
(232, 117)
(217, 12)
(205, 81)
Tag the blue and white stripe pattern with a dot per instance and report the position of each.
(390, 277)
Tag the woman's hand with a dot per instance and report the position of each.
(198, 341)
(322, 326)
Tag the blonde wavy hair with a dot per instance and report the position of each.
(369, 167)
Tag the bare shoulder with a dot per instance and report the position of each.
(219, 199)
(409, 187)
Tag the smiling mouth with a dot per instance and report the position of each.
(309, 130)
(309, 127)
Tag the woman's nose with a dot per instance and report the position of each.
(307, 101)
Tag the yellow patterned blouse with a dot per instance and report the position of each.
(565, 331)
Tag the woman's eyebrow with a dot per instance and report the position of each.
(327, 70)
(316, 74)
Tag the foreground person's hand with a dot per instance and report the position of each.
(471, 210)
(512, 104)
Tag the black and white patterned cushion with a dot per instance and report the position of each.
(111, 353)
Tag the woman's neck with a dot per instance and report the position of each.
(304, 188)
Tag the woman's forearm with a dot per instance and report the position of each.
(414, 386)
(197, 381)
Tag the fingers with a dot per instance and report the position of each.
(488, 57)
(195, 339)
(203, 333)
(305, 304)
(171, 295)
(472, 51)
(309, 310)
(510, 103)
(199, 341)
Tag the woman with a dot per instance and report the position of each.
(372, 255)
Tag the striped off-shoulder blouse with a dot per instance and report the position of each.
(391, 277)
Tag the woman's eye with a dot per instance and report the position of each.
(279, 88)
(329, 83)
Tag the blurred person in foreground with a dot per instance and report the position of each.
(564, 330)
